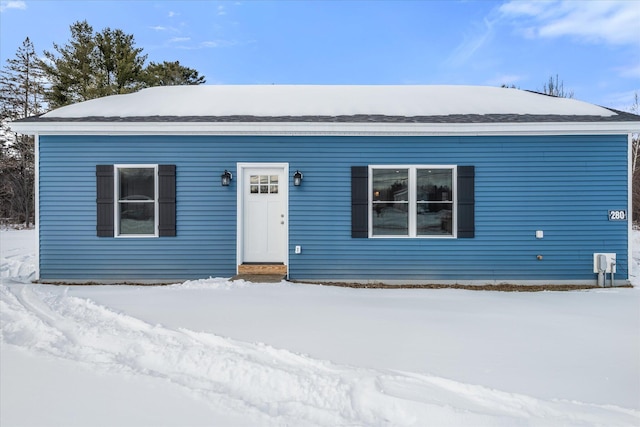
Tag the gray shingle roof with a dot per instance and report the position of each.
(620, 116)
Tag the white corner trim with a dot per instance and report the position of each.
(36, 202)
(630, 209)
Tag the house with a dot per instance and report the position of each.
(398, 184)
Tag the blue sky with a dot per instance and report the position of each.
(594, 46)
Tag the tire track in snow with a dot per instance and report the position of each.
(270, 385)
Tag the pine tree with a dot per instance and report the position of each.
(89, 66)
(71, 68)
(21, 95)
(119, 63)
(71, 73)
(171, 74)
(93, 65)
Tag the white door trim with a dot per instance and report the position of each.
(240, 167)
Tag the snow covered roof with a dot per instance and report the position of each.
(277, 100)
(214, 105)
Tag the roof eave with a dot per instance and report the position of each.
(320, 128)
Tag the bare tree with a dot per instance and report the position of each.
(17, 173)
(555, 87)
(21, 95)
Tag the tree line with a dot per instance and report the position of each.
(90, 65)
(95, 64)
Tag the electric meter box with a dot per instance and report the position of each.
(611, 259)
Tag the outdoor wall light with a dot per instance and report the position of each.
(225, 178)
(297, 178)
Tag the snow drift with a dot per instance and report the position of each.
(275, 354)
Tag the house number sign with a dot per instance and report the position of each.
(617, 215)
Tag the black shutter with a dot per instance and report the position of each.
(466, 202)
(167, 200)
(360, 201)
(104, 200)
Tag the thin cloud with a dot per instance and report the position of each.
(179, 39)
(222, 10)
(162, 28)
(612, 22)
(632, 71)
(209, 44)
(15, 4)
(218, 43)
(523, 8)
(472, 44)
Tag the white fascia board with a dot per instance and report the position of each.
(321, 128)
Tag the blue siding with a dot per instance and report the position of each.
(563, 185)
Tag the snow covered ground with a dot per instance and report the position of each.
(215, 352)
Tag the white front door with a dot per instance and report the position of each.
(264, 213)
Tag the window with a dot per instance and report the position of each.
(136, 200)
(412, 201)
(136, 197)
(263, 184)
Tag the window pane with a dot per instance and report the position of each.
(253, 189)
(273, 189)
(434, 219)
(434, 185)
(253, 179)
(274, 179)
(137, 183)
(390, 219)
(137, 218)
(390, 185)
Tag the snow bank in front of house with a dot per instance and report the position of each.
(330, 100)
(221, 352)
(17, 258)
(268, 386)
(210, 283)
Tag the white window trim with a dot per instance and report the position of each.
(412, 170)
(116, 197)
